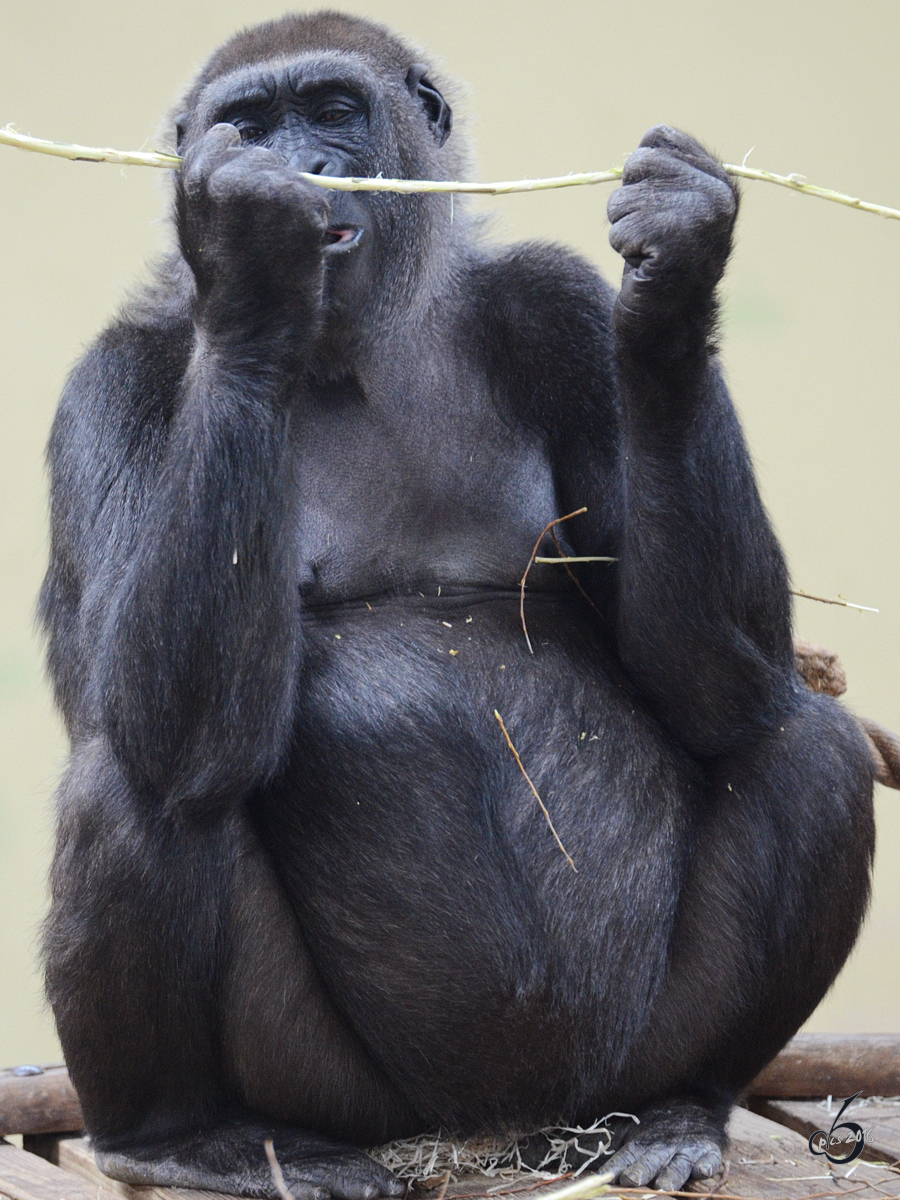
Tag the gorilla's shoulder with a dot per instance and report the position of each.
(546, 273)
(129, 375)
(541, 313)
(538, 290)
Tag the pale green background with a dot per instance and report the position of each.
(810, 340)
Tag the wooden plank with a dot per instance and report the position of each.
(45, 1145)
(880, 1122)
(772, 1162)
(38, 1103)
(24, 1176)
(832, 1064)
(767, 1161)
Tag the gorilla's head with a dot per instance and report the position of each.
(332, 94)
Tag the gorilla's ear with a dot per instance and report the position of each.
(440, 118)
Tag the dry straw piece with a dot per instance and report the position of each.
(155, 158)
(537, 796)
(432, 1156)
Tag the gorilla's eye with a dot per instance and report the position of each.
(251, 130)
(334, 111)
(333, 114)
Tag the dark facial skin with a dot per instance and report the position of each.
(259, 226)
(301, 889)
(262, 242)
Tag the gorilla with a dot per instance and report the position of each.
(302, 890)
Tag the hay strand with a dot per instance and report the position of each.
(428, 1159)
(537, 545)
(825, 600)
(537, 796)
(275, 1167)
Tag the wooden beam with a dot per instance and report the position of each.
(811, 1065)
(833, 1064)
(38, 1103)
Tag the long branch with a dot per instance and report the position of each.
(353, 183)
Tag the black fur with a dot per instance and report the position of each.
(302, 887)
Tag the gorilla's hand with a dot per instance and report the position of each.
(672, 222)
(253, 233)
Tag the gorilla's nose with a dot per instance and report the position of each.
(313, 163)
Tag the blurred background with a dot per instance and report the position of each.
(810, 331)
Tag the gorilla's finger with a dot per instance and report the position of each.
(708, 1165)
(650, 1162)
(648, 163)
(623, 1157)
(214, 148)
(669, 175)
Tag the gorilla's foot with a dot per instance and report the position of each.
(675, 1142)
(231, 1157)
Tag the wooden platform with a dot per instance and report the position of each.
(768, 1157)
(767, 1160)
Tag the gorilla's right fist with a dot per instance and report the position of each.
(253, 232)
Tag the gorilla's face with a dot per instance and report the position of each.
(329, 113)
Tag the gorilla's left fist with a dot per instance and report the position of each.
(672, 222)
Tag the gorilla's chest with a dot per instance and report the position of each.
(414, 487)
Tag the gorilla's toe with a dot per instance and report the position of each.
(674, 1143)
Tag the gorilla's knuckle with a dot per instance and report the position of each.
(661, 135)
(618, 205)
(638, 164)
(625, 237)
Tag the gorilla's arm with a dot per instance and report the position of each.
(628, 392)
(187, 622)
(703, 610)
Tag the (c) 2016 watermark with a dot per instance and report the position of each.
(839, 1135)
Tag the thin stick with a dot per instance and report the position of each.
(588, 1185)
(571, 574)
(75, 153)
(602, 1184)
(825, 600)
(604, 1188)
(537, 546)
(562, 558)
(537, 796)
(355, 183)
(798, 184)
(519, 1190)
(277, 1176)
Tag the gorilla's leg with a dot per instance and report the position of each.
(173, 969)
(772, 907)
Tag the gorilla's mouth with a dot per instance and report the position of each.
(340, 238)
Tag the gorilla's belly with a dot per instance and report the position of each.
(489, 974)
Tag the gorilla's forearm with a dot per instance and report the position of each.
(704, 609)
(200, 647)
